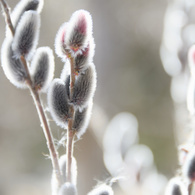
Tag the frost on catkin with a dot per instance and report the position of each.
(26, 35)
(58, 102)
(84, 88)
(42, 68)
(13, 68)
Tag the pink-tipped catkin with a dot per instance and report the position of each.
(26, 35)
(60, 46)
(42, 68)
(84, 58)
(79, 31)
(58, 102)
(176, 187)
(102, 189)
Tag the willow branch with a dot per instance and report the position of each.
(70, 133)
(37, 101)
(7, 16)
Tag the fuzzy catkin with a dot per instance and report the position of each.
(84, 88)
(79, 31)
(12, 67)
(60, 45)
(84, 58)
(25, 5)
(176, 187)
(42, 68)
(81, 119)
(58, 102)
(68, 189)
(26, 35)
(102, 189)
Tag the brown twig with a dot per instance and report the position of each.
(7, 16)
(71, 132)
(37, 101)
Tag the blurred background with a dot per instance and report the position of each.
(131, 79)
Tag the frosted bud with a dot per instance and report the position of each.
(13, 68)
(42, 68)
(81, 119)
(60, 46)
(102, 189)
(68, 189)
(84, 88)
(58, 102)
(79, 31)
(83, 59)
(25, 5)
(26, 35)
(176, 187)
(188, 167)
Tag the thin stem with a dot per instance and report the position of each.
(7, 16)
(37, 101)
(70, 133)
(47, 133)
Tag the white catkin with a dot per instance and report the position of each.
(79, 30)
(66, 71)
(82, 118)
(62, 163)
(102, 189)
(176, 187)
(42, 68)
(67, 189)
(60, 42)
(12, 67)
(20, 8)
(58, 102)
(83, 59)
(84, 88)
(26, 35)
(25, 5)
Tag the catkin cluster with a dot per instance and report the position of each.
(22, 44)
(74, 44)
(70, 97)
